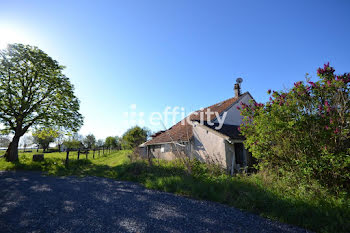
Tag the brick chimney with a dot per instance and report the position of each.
(237, 89)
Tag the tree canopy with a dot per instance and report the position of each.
(134, 136)
(100, 143)
(89, 141)
(45, 136)
(34, 92)
(72, 143)
(112, 142)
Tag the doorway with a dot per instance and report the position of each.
(240, 160)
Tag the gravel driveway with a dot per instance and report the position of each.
(32, 202)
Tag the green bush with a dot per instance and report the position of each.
(133, 137)
(304, 130)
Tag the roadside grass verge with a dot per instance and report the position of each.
(287, 200)
(306, 205)
(54, 163)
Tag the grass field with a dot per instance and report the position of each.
(54, 163)
(307, 205)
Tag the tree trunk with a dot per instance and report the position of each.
(67, 157)
(12, 151)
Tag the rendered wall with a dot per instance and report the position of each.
(208, 147)
(233, 116)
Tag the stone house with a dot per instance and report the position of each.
(206, 136)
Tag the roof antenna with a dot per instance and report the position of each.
(237, 87)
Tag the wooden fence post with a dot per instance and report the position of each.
(86, 153)
(103, 150)
(93, 156)
(67, 157)
(78, 153)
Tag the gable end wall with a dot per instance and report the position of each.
(233, 116)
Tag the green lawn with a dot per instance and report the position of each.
(54, 163)
(307, 205)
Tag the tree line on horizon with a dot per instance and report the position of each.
(42, 138)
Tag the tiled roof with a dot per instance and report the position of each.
(182, 131)
(219, 108)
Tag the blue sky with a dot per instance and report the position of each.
(155, 54)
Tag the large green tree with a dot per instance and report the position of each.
(45, 136)
(34, 92)
(134, 137)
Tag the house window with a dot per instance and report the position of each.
(162, 149)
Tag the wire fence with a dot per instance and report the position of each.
(95, 153)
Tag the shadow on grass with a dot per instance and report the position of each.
(239, 192)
